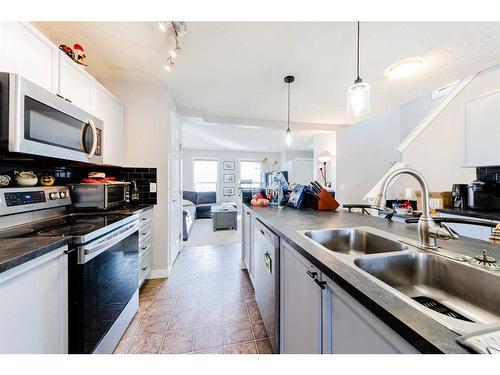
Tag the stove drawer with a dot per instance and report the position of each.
(144, 267)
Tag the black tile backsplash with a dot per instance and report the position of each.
(488, 173)
(68, 172)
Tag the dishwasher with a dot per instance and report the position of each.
(267, 280)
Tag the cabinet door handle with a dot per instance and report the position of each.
(320, 283)
(312, 274)
(261, 231)
(144, 268)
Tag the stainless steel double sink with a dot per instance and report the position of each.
(458, 295)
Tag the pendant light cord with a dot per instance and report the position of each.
(357, 58)
(288, 116)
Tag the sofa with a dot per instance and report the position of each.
(195, 206)
(202, 200)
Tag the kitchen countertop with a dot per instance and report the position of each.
(421, 331)
(16, 251)
(480, 214)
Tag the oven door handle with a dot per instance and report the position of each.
(89, 253)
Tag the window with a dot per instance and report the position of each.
(251, 170)
(205, 175)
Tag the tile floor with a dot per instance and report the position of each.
(206, 306)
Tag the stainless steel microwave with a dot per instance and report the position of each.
(37, 122)
(98, 196)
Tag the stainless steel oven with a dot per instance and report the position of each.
(38, 122)
(98, 196)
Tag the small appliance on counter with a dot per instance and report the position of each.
(459, 196)
(99, 196)
(483, 195)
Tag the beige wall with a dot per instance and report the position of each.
(437, 151)
(147, 110)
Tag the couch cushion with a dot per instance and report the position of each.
(206, 197)
(190, 196)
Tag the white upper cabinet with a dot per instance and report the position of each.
(75, 84)
(25, 51)
(107, 108)
(482, 131)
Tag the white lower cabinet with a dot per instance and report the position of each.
(317, 316)
(34, 307)
(300, 305)
(145, 244)
(246, 240)
(349, 328)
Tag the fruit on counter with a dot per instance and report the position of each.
(259, 202)
(259, 196)
(47, 180)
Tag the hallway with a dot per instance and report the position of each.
(206, 306)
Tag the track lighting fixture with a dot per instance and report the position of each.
(179, 29)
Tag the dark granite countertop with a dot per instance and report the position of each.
(132, 209)
(480, 214)
(16, 251)
(425, 334)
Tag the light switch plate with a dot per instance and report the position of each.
(152, 187)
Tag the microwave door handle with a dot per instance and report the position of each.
(93, 148)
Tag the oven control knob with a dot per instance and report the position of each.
(63, 194)
(54, 195)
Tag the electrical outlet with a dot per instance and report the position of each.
(152, 187)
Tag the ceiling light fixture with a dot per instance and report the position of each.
(358, 95)
(288, 134)
(179, 29)
(169, 65)
(403, 69)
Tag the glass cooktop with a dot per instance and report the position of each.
(66, 225)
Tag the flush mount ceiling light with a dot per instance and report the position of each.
(179, 29)
(403, 69)
(358, 95)
(288, 134)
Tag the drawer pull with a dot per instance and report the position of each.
(312, 274)
(320, 283)
(144, 233)
(144, 218)
(144, 248)
(144, 268)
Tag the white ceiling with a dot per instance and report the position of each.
(236, 69)
(200, 135)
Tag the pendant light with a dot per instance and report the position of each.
(288, 133)
(358, 95)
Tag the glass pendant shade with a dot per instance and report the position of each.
(358, 99)
(288, 138)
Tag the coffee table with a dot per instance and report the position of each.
(224, 216)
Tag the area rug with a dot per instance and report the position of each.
(202, 234)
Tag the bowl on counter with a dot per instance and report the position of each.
(26, 178)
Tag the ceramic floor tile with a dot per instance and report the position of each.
(208, 337)
(134, 326)
(123, 346)
(178, 342)
(259, 330)
(182, 319)
(264, 347)
(235, 333)
(149, 344)
(163, 306)
(235, 312)
(209, 315)
(253, 311)
(212, 351)
(154, 324)
(245, 348)
(248, 294)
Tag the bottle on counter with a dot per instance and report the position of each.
(134, 196)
